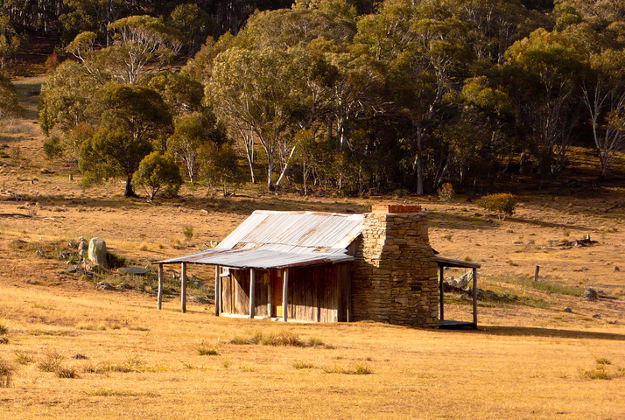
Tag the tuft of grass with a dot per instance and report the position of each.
(24, 358)
(557, 288)
(303, 365)
(362, 370)
(187, 231)
(138, 329)
(4, 330)
(66, 372)
(357, 370)
(204, 349)
(597, 373)
(4, 340)
(283, 338)
(603, 361)
(51, 362)
(6, 373)
(115, 393)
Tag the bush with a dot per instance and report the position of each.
(51, 362)
(204, 349)
(6, 371)
(66, 372)
(52, 147)
(156, 172)
(446, 192)
(503, 203)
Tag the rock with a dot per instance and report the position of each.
(97, 252)
(567, 309)
(79, 356)
(465, 279)
(597, 315)
(104, 286)
(200, 299)
(82, 248)
(204, 211)
(135, 271)
(617, 268)
(46, 171)
(69, 270)
(590, 294)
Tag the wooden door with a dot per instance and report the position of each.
(276, 292)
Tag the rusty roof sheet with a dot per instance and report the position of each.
(272, 239)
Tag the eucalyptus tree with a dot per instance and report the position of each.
(424, 50)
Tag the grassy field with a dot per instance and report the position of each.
(69, 350)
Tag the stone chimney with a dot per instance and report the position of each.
(395, 276)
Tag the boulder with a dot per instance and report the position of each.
(97, 252)
(567, 309)
(590, 294)
(597, 315)
(82, 248)
(465, 279)
(136, 271)
(104, 286)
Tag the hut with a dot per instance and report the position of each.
(328, 267)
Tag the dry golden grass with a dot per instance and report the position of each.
(126, 359)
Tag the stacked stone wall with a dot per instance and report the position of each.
(395, 276)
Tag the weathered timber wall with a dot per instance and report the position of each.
(314, 293)
(394, 276)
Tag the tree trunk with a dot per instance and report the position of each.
(270, 186)
(129, 191)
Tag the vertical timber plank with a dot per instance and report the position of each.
(217, 291)
(269, 294)
(252, 293)
(183, 288)
(285, 286)
(475, 297)
(440, 289)
(160, 286)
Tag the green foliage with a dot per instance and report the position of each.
(191, 133)
(52, 147)
(158, 171)
(9, 41)
(9, 105)
(112, 153)
(219, 165)
(502, 203)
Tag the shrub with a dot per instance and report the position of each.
(66, 372)
(597, 373)
(187, 231)
(156, 172)
(3, 329)
(51, 362)
(204, 349)
(303, 365)
(6, 371)
(446, 192)
(52, 147)
(503, 203)
(24, 358)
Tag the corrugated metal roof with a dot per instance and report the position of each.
(272, 239)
